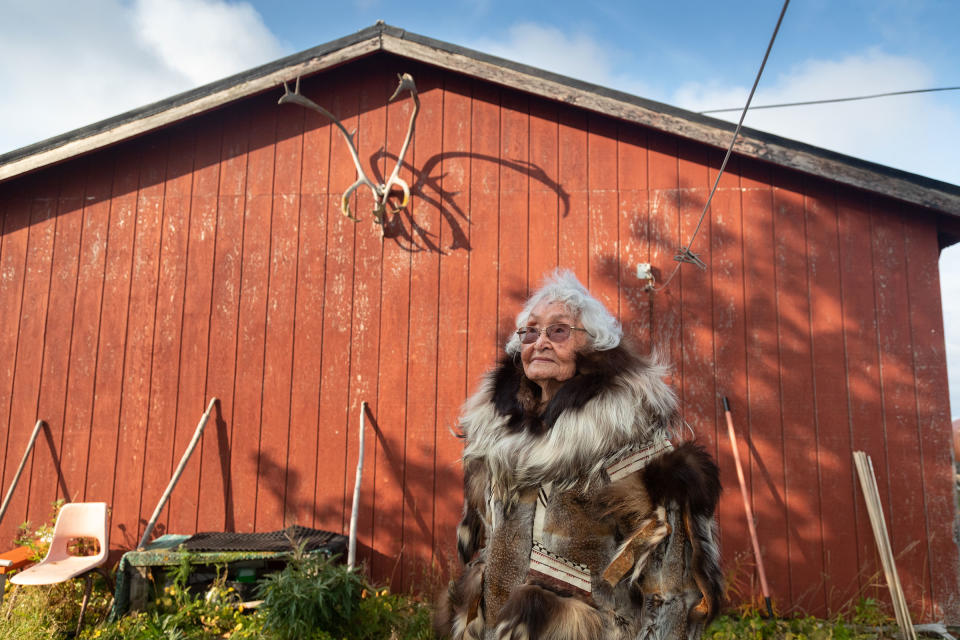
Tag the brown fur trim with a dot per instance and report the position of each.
(470, 538)
(533, 613)
(688, 476)
(705, 565)
(458, 614)
(634, 551)
(627, 502)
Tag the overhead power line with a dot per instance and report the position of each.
(685, 254)
(830, 100)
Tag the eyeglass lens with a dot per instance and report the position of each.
(555, 333)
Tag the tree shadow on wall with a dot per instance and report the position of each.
(402, 224)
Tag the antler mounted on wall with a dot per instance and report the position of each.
(381, 192)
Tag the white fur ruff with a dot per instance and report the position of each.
(580, 442)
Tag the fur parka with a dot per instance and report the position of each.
(642, 532)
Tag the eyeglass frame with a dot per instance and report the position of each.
(523, 330)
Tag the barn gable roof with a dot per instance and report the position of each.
(902, 185)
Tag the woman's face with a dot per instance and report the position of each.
(547, 363)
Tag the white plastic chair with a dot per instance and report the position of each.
(76, 520)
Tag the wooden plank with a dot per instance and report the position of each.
(162, 449)
(634, 232)
(337, 314)
(219, 499)
(388, 524)
(514, 223)
(838, 528)
(603, 226)
(863, 379)
(868, 483)
(274, 465)
(251, 328)
(801, 458)
(131, 465)
(27, 374)
(664, 195)
(53, 465)
(907, 517)
(729, 346)
(303, 458)
(546, 196)
(199, 254)
(483, 348)
(365, 331)
(695, 365)
(13, 258)
(574, 179)
(419, 490)
(933, 420)
(78, 424)
(111, 344)
(453, 307)
(765, 434)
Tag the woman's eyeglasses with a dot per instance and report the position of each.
(556, 333)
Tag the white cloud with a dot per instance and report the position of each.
(907, 132)
(204, 40)
(577, 55)
(99, 58)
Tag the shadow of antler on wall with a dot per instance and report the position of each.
(402, 225)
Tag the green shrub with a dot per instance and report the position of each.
(315, 597)
(178, 614)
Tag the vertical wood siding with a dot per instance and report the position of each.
(211, 259)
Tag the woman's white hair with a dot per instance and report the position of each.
(562, 286)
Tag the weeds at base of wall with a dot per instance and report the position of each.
(316, 598)
(867, 617)
(51, 613)
(313, 598)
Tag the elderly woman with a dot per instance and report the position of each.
(581, 520)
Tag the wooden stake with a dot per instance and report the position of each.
(868, 482)
(764, 587)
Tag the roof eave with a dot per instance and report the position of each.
(816, 161)
(188, 104)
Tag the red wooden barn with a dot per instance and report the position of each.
(195, 248)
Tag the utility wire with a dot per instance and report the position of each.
(685, 254)
(830, 100)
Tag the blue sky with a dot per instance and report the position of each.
(67, 64)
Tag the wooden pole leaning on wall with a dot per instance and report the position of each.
(176, 474)
(355, 510)
(23, 463)
(764, 587)
(868, 482)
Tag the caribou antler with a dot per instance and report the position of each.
(381, 192)
(406, 82)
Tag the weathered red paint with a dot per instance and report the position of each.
(211, 259)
